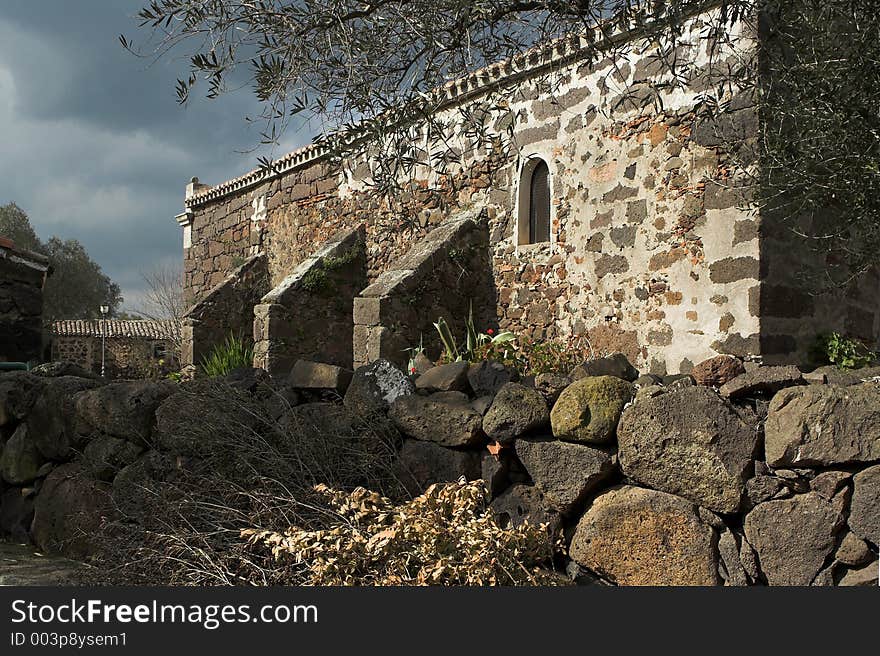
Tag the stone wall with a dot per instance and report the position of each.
(738, 475)
(443, 275)
(124, 357)
(656, 249)
(22, 276)
(309, 314)
(227, 309)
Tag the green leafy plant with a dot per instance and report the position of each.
(475, 342)
(232, 353)
(845, 352)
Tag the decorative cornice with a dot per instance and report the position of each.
(557, 52)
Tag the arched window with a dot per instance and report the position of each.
(539, 204)
(534, 202)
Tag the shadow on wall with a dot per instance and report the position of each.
(442, 275)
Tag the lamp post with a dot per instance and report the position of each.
(104, 310)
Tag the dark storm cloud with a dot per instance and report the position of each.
(92, 142)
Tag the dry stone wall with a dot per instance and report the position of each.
(22, 275)
(309, 315)
(764, 477)
(227, 310)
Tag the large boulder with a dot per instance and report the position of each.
(793, 537)
(134, 487)
(763, 381)
(588, 410)
(824, 425)
(18, 392)
(52, 419)
(16, 514)
(864, 514)
(20, 460)
(525, 504)
(516, 411)
(487, 377)
(319, 377)
(717, 371)
(634, 536)
(69, 511)
(689, 442)
(615, 364)
(452, 377)
(104, 456)
(421, 464)
(375, 386)
(447, 418)
(124, 409)
(565, 473)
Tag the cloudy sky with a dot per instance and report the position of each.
(93, 145)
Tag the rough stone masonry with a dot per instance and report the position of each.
(655, 247)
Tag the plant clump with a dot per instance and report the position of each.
(446, 536)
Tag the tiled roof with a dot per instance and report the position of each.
(143, 329)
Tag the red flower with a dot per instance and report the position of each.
(490, 332)
(412, 370)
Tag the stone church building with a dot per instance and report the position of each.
(601, 206)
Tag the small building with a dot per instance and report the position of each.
(132, 349)
(22, 276)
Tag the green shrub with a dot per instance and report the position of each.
(845, 352)
(233, 353)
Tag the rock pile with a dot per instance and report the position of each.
(730, 476)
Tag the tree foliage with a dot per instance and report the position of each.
(77, 287)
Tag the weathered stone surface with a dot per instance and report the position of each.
(16, 514)
(124, 409)
(375, 386)
(864, 576)
(762, 380)
(516, 411)
(853, 550)
(446, 418)
(635, 536)
(494, 470)
(58, 369)
(793, 537)
(834, 375)
(452, 377)
(565, 473)
(133, 485)
(822, 425)
(730, 565)
(251, 380)
(421, 464)
(52, 418)
(319, 376)
(690, 443)
(551, 385)
(717, 371)
(615, 364)
(521, 504)
(487, 377)
(104, 456)
(828, 483)
(69, 511)
(20, 460)
(864, 514)
(588, 410)
(18, 392)
(763, 488)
